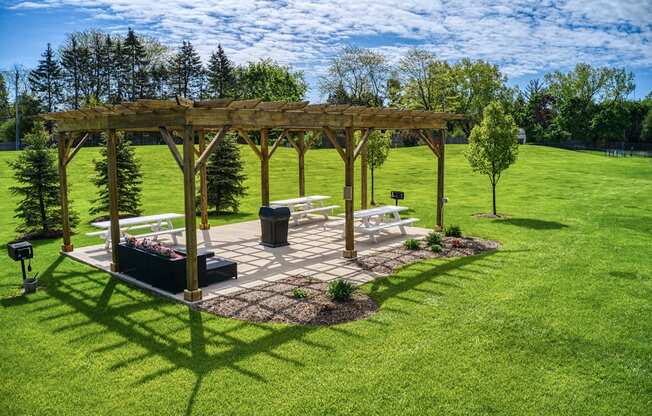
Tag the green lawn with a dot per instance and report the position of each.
(559, 321)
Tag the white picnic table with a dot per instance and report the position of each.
(373, 220)
(303, 206)
(159, 224)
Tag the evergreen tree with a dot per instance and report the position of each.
(221, 75)
(186, 70)
(120, 78)
(225, 177)
(158, 81)
(129, 180)
(4, 98)
(71, 62)
(36, 173)
(136, 64)
(45, 80)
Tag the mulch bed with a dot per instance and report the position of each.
(273, 302)
(389, 260)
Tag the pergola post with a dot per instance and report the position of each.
(264, 167)
(301, 145)
(192, 292)
(63, 193)
(349, 164)
(203, 184)
(112, 167)
(440, 179)
(363, 175)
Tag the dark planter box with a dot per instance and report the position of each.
(170, 274)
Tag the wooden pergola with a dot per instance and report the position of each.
(294, 122)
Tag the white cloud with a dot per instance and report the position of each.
(523, 36)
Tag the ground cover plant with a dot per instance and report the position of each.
(558, 321)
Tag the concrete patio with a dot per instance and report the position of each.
(315, 250)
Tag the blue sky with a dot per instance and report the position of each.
(526, 38)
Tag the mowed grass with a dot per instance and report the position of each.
(559, 321)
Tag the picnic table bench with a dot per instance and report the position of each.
(303, 206)
(373, 220)
(160, 224)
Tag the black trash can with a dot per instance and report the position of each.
(274, 226)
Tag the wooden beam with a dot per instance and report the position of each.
(363, 141)
(63, 193)
(278, 141)
(264, 167)
(172, 146)
(203, 184)
(77, 148)
(330, 134)
(211, 146)
(429, 142)
(112, 165)
(440, 179)
(349, 165)
(293, 142)
(301, 152)
(246, 138)
(192, 292)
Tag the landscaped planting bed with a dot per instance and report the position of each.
(388, 260)
(276, 302)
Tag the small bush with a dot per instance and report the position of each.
(411, 244)
(299, 293)
(433, 238)
(340, 290)
(436, 248)
(453, 231)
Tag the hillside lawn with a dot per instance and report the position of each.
(559, 321)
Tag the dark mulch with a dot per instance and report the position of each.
(273, 302)
(391, 259)
(489, 215)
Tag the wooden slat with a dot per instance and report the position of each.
(330, 134)
(271, 105)
(219, 103)
(428, 141)
(294, 144)
(246, 138)
(278, 141)
(209, 149)
(243, 104)
(77, 148)
(296, 105)
(363, 140)
(172, 146)
(184, 102)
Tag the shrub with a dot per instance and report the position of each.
(436, 248)
(299, 293)
(340, 290)
(433, 238)
(411, 244)
(453, 231)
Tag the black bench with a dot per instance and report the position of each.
(170, 274)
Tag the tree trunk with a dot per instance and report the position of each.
(493, 193)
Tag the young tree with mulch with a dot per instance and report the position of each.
(37, 178)
(378, 145)
(493, 145)
(129, 181)
(225, 177)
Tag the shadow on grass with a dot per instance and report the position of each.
(532, 223)
(79, 305)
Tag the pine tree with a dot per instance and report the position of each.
(36, 172)
(4, 99)
(136, 63)
(186, 70)
(46, 80)
(120, 72)
(129, 180)
(71, 64)
(221, 75)
(225, 177)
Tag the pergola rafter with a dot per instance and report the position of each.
(190, 118)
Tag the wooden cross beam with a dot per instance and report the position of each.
(209, 149)
(167, 137)
(246, 138)
(70, 156)
(360, 145)
(430, 142)
(330, 134)
(278, 141)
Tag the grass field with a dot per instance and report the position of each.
(559, 321)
